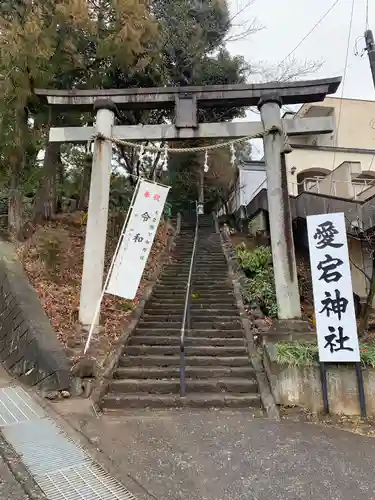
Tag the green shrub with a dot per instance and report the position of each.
(253, 261)
(367, 352)
(257, 266)
(261, 289)
(296, 354)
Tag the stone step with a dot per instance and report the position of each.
(198, 280)
(171, 332)
(207, 317)
(212, 284)
(190, 341)
(184, 268)
(201, 253)
(141, 400)
(157, 386)
(199, 263)
(178, 307)
(151, 325)
(166, 372)
(203, 288)
(161, 360)
(197, 277)
(219, 302)
(163, 291)
(216, 324)
(206, 291)
(176, 293)
(214, 260)
(213, 305)
(157, 350)
(195, 324)
(158, 309)
(206, 284)
(185, 263)
(206, 314)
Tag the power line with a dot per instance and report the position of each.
(239, 12)
(309, 33)
(342, 91)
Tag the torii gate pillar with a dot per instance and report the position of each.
(283, 255)
(97, 217)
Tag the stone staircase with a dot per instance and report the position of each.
(218, 369)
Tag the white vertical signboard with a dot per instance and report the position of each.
(137, 240)
(332, 287)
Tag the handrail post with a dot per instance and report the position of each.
(186, 320)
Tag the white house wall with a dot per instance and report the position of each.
(249, 185)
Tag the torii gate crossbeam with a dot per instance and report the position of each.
(186, 101)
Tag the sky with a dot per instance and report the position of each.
(286, 22)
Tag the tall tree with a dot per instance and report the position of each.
(191, 51)
(46, 43)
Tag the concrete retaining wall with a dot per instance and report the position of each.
(29, 348)
(301, 386)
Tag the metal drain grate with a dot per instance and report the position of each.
(60, 466)
(43, 447)
(86, 482)
(16, 406)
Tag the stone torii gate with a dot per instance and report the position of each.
(186, 101)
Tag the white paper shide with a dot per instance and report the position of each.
(137, 240)
(332, 286)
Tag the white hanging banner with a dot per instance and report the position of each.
(137, 240)
(336, 324)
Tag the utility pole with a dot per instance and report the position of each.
(370, 47)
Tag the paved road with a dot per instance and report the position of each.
(10, 489)
(215, 455)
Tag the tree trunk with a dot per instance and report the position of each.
(17, 164)
(370, 298)
(84, 194)
(60, 183)
(15, 220)
(45, 202)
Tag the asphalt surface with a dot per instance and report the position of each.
(10, 489)
(216, 455)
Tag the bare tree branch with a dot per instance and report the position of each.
(289, 70)
(243, 30)
(156, 161)
(361, 270)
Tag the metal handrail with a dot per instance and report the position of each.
(186, 319)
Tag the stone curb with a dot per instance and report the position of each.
(237, 276)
